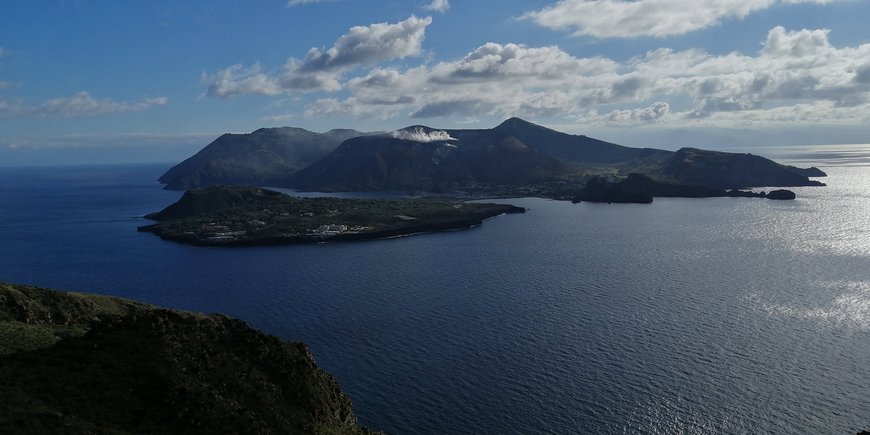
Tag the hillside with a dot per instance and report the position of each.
(78, 363)
(575, 149)
(514, 158)
(263, 157)
(732, 170)
(409, 160)
(237, 215)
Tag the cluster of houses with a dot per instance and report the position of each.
(220, 232)
(328, 230)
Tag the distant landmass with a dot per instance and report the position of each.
(79, 363)
(234, 215)
(515, 158)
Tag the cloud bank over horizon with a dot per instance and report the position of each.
(797, 76)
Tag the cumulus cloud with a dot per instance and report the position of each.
(240, 80)
(636, 18)
(501, 62)
(437, 6)
(419, 134)
(80, 104)
(321, 68)
(654, 112)
(862, 74)
(663, 86)
(366, 45)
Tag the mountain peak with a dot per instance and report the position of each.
(515, 123)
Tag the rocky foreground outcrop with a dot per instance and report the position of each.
(78, 363)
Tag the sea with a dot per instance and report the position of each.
(686, 316)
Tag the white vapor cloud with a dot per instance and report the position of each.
(438, 6)
(321, 69)
(636, 18)
(419, 134)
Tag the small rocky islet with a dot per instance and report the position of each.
(640, 189)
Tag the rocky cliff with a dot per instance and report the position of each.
(78, 363)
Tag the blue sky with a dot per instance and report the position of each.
(169, 76)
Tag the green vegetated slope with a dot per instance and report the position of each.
(237, 215)
(79, 363)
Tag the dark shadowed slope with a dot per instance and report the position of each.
(576, 149)
(77, 363)
(732, 170)
(262, 157)
(401, 161)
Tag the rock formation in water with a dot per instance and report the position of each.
(781, 194)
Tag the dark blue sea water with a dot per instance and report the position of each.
(696, 316)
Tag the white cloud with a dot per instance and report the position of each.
(240, 80)
(80, 104)
(419, 134)
(83, 103)
(438, 6)
(292, 3)
(794, 73)
(636, 18)
(367, 45)
(654, 112)
(321, 69)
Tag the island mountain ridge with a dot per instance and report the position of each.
(508, 158)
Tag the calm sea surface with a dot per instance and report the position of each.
(697, 316)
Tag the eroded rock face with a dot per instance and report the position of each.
(99, 364)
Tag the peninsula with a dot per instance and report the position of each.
(239, 216)
(80, 363)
